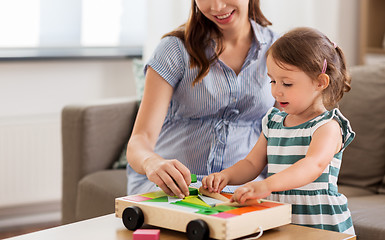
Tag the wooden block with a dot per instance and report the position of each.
(225, 199)
(212, 194)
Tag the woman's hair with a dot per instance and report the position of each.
(307, 49)
(198, 32)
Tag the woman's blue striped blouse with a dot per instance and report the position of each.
(216, 123)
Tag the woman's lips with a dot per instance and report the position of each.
(224, 18)
(221, 17)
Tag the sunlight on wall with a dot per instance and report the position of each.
(337, 19)
(286, 15)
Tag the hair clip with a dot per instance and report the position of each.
(334, 44)
(325, 66)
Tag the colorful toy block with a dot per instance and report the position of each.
(146, 234)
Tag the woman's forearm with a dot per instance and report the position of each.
(140, 153)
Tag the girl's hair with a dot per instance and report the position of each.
(198, 32)
(307, 49)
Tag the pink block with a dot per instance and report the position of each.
(136, 198)
(224, 215)
(146, 234)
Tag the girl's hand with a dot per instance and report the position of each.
(170, 175)
(251, 190)
(215, 182)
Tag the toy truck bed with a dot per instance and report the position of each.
(197, 219)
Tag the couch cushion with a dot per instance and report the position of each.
(350, 191)
(363, 162)
(368, 214)
(97, 193)
(382, 187)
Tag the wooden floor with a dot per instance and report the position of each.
(12, 232)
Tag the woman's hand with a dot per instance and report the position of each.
(251, 190)
(170, 175)
(215, 182)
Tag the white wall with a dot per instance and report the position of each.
(35, 87)
(338, 19)
(163, 17)
(32, 95)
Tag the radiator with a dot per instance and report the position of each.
(30, 160)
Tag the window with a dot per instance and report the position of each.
(19, 26)
(72, 23)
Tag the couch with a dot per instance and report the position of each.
(362, 176)
(94, 134)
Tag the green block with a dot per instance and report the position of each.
(223, 208)
(190, 205)
(193, 178)
(208, 211)
(154, 194)
(193, 191)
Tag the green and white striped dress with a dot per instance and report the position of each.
(317, 204)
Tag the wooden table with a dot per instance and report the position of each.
(109, 227)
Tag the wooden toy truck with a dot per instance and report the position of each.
(199, 219)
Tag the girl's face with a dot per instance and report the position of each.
(225, 13)
(295, 92)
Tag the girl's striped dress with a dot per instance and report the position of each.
(317, 204)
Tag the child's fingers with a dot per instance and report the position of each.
(217, 181)
(245, 196)
(209, 182)
(204, 185)
(222, 186)
(239, 194)
(214, 182)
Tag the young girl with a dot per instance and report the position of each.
(303, 143)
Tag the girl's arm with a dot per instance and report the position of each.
(326, 142)
(170, 175)
(243, 171)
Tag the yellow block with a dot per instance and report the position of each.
(195, 200)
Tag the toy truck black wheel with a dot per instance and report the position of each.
(132, 218)
(197, 230)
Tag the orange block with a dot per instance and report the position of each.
(242, 210)
(269, 204)
(228, 195)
